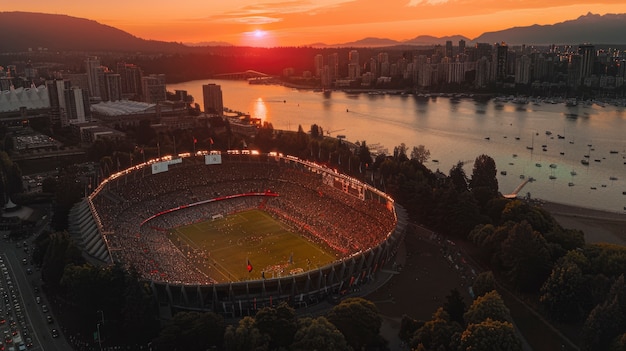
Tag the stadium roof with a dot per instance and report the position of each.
(121, 107)
(31, 98)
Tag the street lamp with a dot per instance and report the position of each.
(101, 316)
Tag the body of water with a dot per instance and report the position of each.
(541, 140)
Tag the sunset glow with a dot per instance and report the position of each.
(303, 22)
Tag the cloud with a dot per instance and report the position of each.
(271, 11)
(414, 3)
(254, 20)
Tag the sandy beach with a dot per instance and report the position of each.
(598, 226)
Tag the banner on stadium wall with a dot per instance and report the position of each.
(212, 159)
(159, 167)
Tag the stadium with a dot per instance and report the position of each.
(233, 232)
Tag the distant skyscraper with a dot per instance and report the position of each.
(92, 67)
(333, 66)
(483, 50)
(153, 88)
(318, 62)
(522, 70)
(448, 52)
(461, 46)
(130, 75)
(587, 59)
(354, 69)
(110, 86)
(502, 53)
(213, 102)
(77, 106)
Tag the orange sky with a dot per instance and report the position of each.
(302, 22)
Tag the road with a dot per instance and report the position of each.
(20, 283)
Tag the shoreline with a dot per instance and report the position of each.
(597, 225)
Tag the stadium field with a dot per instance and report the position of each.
(250, 245)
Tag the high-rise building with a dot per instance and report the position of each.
(502, 54)
(130, 75)
(318, 62)
(354, 69)
(522, 70)
(77, 106)
(93, 69)
(212, 95)
(110, 86)
(483, 50)
(587, 59)
(333, 66)
(448, 52)
(461, 46)
(153, 88)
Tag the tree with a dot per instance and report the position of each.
(490, 335)
(278, 323)
(455, 306)
(189, 331)
(318, 334)
(525, 256)
(399, 152)
(489, 305)
(408, 326)
(358, 320)
(245, 336)
(602, 326)
(437, 333)
(564, 293)
(484, 183)
(458, 178)
(484, 283)
(420, 153)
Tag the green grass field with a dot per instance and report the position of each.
(251, 235)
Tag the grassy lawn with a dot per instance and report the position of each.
(254, 236)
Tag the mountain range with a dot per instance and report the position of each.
(66, 33)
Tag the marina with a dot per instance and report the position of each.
(456, 129)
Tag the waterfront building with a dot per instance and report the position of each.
(212, 97)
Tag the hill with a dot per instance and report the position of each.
(590, 28)
(66, 33)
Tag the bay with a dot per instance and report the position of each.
(460, 130)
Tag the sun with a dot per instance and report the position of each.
(258, 38)
(259, 33)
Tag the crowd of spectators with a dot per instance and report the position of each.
(323, 212)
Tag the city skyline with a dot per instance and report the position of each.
(297, 23)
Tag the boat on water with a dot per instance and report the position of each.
(570, 184)
(521, 176)
(613, 151)
(503, 172)
(612, 178)
(538, 164)
(552, 177)
(552, 165)
(584, 162)
(573, 173)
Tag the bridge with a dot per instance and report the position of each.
(513, 195)
(249, 74)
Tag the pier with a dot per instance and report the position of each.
(513, 195)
